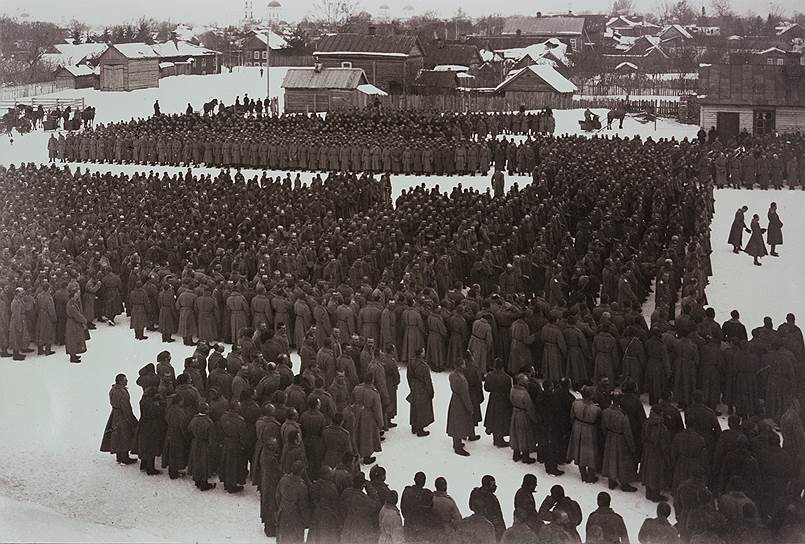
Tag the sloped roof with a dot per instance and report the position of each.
(432, 78)
(326, 78)
(368, 88)
(624, 65)
(277, 41)
(76, 52)
(453, 53)
(179, 48)
(553, 26)
(78, 71)
(546, 73)
(783, 29)
(679, 28)
(623, 21)
(366, 44)
(136, 50)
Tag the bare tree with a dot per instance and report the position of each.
(335, 12)
(682, 13)
(622, 7)
(663, 10)
(722, 8)
(77, 30)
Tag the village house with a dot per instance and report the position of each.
(391, 63)
(320, 89)
(757, 98)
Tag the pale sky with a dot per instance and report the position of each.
(100, 12)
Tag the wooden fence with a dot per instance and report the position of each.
(33, 89)
(291, 60)
(46, 103)
(477, 102)
(662, 108)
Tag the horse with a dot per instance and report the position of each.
(88, 116)
(619, 113)
(209, 107)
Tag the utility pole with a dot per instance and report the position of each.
(268, 65)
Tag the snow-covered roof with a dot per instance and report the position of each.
(450, 68)
(547, 73)
(368, 88)
(179, 48)
(136, 50)
(274, 40)
(553, 49)
(679, 28)
(623, 65)
(67, 54)
(78, 71)
(489, 56)
(163, 65)
(771, 50)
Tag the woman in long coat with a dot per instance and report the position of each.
(499, 407)
(167, 313)
(774, 235)
(755, 246)
(421, 395)
(655, 463)
(75, 331)
(583, 448)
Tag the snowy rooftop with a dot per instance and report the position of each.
(272, 38)
(545, 72)
(368, 88)
(450, 68)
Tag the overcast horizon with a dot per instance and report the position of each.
(200, 12)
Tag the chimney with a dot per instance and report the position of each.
(539, 14)
(373, 31)
(519, 32)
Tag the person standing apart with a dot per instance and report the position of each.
(755, 246)
(736, 231)
(774, 235)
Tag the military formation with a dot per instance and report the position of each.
(357, 141)
(527, 295)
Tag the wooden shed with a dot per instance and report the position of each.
(320, 89)
(129, 66)
(389, 62)
(541, 81)
(77, 77)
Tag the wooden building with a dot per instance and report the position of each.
(520, 31)
(390, 62)
(254, 46)
(453, 54)
(758, 98)
(188, 58)
(319, 89)
(129, 66)
(436, 82)
(540, 85)
(77, 77)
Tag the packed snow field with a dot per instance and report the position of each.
(56, 485)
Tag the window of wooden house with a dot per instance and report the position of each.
(764, 122)
(780, 61)
(257, 55)
(346, 64)
(770, 60)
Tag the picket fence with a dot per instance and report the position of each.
(661, 108)
(33, 89)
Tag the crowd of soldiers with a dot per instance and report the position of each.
(357, 141)
(750, 162)
(538, 290)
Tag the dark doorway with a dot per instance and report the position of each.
(728, 125)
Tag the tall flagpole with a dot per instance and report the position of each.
(268, 65)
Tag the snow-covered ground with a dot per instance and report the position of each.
(56, 485)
